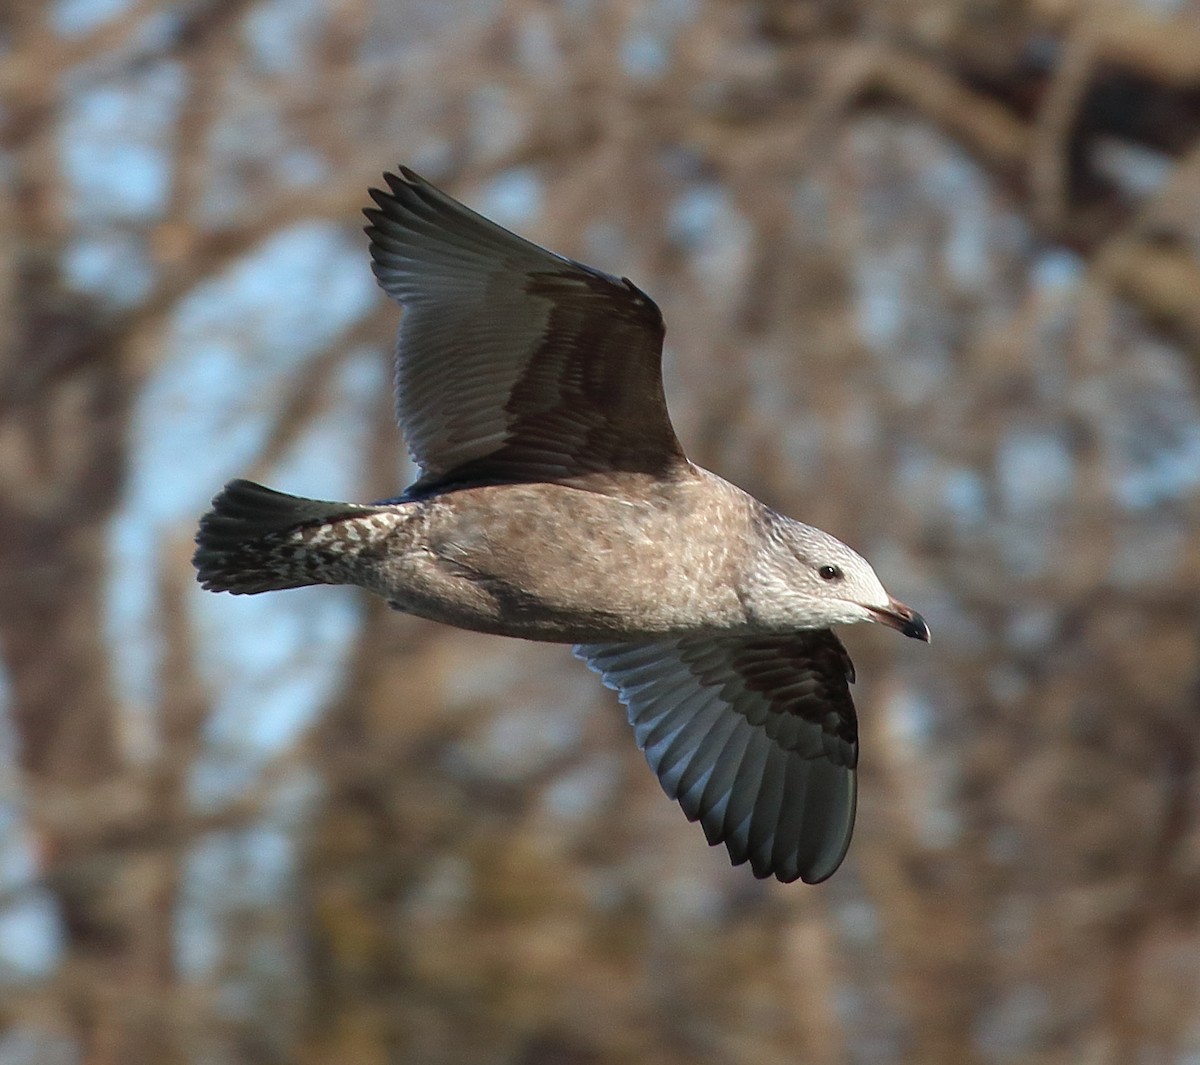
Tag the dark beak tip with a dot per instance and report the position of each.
(916, 628)
(904, 620)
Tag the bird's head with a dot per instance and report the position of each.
(806, 578)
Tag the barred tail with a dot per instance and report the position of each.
(258, 540)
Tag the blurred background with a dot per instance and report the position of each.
(931, 274)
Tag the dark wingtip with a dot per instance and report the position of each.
(396, 184)
(406, 178)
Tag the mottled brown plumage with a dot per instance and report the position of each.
(555, 503)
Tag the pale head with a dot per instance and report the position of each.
(806, 579)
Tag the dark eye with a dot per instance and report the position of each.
(830, 573)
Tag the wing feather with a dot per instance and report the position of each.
(513, 363)
(755, 737)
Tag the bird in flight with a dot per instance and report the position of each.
(555, 504)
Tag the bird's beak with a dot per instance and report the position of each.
(902, 618)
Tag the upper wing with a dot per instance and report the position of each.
(513, 363)
(756, 737)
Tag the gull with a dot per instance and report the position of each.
(555, 503)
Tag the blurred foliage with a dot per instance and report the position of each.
(931, 275)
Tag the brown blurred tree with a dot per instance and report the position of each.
(930, 276)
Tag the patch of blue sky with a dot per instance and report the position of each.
(811, 210)
(253, 137)
(705, 221)
(115, 145)
(27, 1044)
(1049, 354)
(1014, 1025)
(644, 55)
(645, 51)
(804, 441)
(281, 34)
(112, 266)
(233, 871)
(684, 898)
(8, 737)
(575, 795)
(75, 18)
(1056, 270)
(431, 155)
(858, 920)
(874, 1032)
(224, 874)
(1031, 627)
(911, 720)
(495, 125)
(917, 472)
(1140, 171)
(964, 495)
(1164, 8)
(880, 301)
(274, 661)
(1169, 472)
(961, 192)
(30, 932)
(933, 487)
(204, 417)
(285, 300)
(912, 724)
(1035, 478)
(330, 453)
(401, 29)
(940, 826)
(695, 214)
(537, 46)
(512, 198)
(604, 242)
(856, 428)
(1006, 684)
(890, 285)
(1023, 546)
(302, 167)
(250, 137)
(1034, 470)
(517, 746)
(1148, 413)
(1149, 551)
(672, 12)
(1010, 235)
(157, 31)
(30, 935)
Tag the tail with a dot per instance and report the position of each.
(258, 540)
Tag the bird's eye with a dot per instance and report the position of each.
(830, 573)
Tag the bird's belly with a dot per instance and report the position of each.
(581, 610)
(547, 623)
(524, 571)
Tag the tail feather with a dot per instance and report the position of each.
(258, 540)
